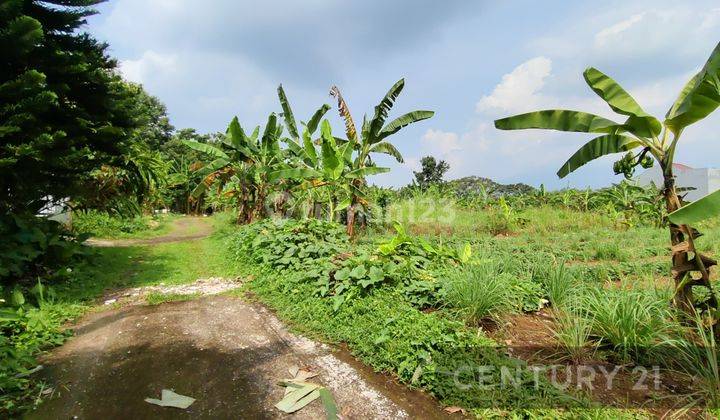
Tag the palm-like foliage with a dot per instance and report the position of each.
(246, 160)
(373, 138)
(644, 138)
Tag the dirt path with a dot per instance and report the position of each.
(183, 229)
(226, 352)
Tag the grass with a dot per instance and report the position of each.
(572, 330)
(633, 322)
(103, 225)
(478, 291)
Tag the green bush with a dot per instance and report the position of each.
(26, 328)
(104, 225)
(33, 247)
(288, 243)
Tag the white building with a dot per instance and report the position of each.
(704, 180)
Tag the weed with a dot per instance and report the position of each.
(632, 322)
(479, 291)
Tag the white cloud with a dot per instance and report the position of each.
(150, 64)
(611, 32)
(519, 89)
(711, 20)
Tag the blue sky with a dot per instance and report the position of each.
(469, 61)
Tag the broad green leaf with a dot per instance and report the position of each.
(213, 166)
(205, 148)
(363, 172)
(621, 102)
(270, 134)
(388, 149)
(699, 97)
(559, 119)
(315, 120)
(294, 147)
(331, 409)
(697, 211)
(395, 125)
(235, 134)
(288, 114)
(383, 108)
(343, 204)
(293, 173)
(595, 148)
(310, 151)
(358, 272)
(332, 165)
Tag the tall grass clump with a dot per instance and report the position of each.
(558, 282)
(573, 330)
(696, 355)
(633, 322)
(479, 291)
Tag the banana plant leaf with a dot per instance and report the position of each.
(363, 172)
(395, 125)
(595, 148)
(287, 113)
(312, 125)
(383, 108)
(206, 148)
(235, 135)
(699, 97)
(559, 119)
(697, 211)
(309, 147)
(620, 101)
(388, 149)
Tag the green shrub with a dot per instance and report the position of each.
(33, 247)
(288, 244)
(26, 328)
(104, 225)
(558, 283)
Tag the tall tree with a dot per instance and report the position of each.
(64, 111)
(431, 172)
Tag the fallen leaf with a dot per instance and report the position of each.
(455, 409)
(171, 399)
(300, 396)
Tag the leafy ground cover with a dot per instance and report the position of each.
(442, 298)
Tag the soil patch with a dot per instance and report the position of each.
(223, 351)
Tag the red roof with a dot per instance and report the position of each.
(681, 167)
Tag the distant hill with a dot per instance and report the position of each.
(470, 185)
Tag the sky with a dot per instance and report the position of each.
(470, 61)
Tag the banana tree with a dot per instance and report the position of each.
(244, 160)
(329, 171)
(645, 139)
(373, 138)
(297, 153)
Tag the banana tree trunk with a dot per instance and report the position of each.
(351, 220)
(689, 267)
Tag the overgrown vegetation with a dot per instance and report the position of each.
(420, 282)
